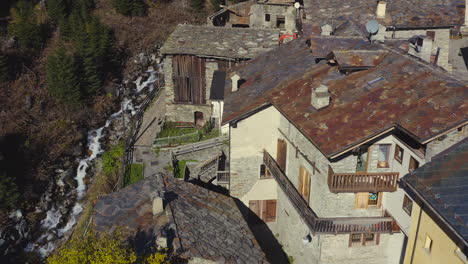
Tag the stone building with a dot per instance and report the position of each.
(428, 24)
(272, 14)
(320, 132)
(196, 225)
(439, 218)
(192, 54)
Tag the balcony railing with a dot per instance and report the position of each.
(338, 225)
(223, 176)
(362, 182)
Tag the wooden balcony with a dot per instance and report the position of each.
(338, 225)
(362, 182)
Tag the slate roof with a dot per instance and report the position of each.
(207, 225)
(399, 92)
(220, 42)
(443, 184)
(399, 13)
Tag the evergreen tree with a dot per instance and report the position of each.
(215, 5)
(62, 77)
(8, 192)
(24, 26)
(57, 9)
(139, 8)
(130, 7)
(4, 68)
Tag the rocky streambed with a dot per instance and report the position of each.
(60, 206)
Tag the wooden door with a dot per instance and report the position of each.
(281, 154)
(270, 211)
(199, 119)
(361, 200)
(304, 184)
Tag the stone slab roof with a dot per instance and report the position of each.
(206, 224)
(220, 42)
(399, 13)
(442, 184)
(399, 92)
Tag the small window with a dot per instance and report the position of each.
(461, 130)
(374, 199)
(407, 205)
(382, 156)
(264, 172)
(398, 153)
(413, 164)
(428, 243)
(280, 22)
(367, 239)
(262, 209)
(267, 17)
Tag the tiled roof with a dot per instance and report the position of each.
(443, 184)
(399, 92)
(207, 224)
(399, 13)
(221, 42)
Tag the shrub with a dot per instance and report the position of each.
(111, 160)
(8, 192)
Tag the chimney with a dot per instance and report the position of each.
(320, 97)
(381, 6)
(235, 82)
(158, 206)
(326, 30)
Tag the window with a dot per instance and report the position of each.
(363, 200)
(407, 205)
(281, 151)
(398, 154)
(280, 22)
(264, 172)
(262, 209)
(373, 199)
(367, 239)
(304, 184)
(267, 17)
(413, 164)
(382, 156)
(188, 73)
(428, 244)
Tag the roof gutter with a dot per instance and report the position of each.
(406, 185)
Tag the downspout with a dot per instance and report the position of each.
(417, 232)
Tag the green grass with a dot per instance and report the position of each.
(170, 130)
(212, 134)
(179, 172)
(135, 174)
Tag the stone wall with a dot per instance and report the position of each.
(182, 112)
(152, 121)
(259, 11)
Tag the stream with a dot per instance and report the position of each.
(62, 213)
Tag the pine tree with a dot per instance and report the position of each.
(4, 68)
(57, 9)
(139, 8)
(123, 7)
(24, 26)
(62, 77)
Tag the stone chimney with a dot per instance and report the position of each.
(235, 82)
(320, 97)
(158, 206)
(381, 6)
(326, 30)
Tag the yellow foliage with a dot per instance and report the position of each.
(93, 249)
(157, 258)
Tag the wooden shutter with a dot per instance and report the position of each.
(281, 154)
(304, 184)
(254, 206)
(270, 211)
(361, 200)
(189, 79)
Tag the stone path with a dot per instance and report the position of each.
(153, 163)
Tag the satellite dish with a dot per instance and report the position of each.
(297, 5)
(372, 26)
